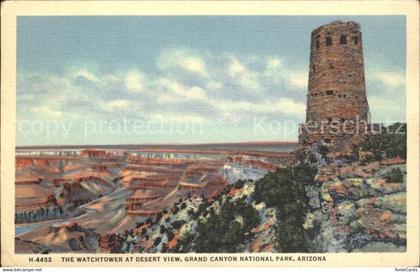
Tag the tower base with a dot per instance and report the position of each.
(344, 134)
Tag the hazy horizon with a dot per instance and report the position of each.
(166, 144)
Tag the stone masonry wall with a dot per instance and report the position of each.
(336, 79)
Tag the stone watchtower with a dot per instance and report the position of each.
(336, 89)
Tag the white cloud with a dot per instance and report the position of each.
(184, 92)
(273, 63)
(176, 117)
(289, 106)
(298, 79)
(230, 106)
(215, 85)
(236, 68)
(48, 112)
(134, 81)
(391, 79)
(85, 74)
(194, 65)
(244, 76)
(119, 104)
(279, 73)
(184, 59)
(168, 99)
(232, 85)
(236, 86)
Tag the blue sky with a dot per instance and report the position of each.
(187, 79)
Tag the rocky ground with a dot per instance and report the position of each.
(68, 237)
(80, 233)
(165, 232)
(355, 208)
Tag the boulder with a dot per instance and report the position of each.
(394, 202)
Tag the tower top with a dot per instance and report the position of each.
(338, 24)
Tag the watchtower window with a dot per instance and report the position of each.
(329, 92)
(355, 39)
(343, 39)
(317, 44)
(328, 42)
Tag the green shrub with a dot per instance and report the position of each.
(391, 142)
(178, 224)
(221, 232)
(285, 190)
(190, 212)
(157, 241)
(284, 186)
(324, 150)
(394, 176)
(184, 245)
(239, 184)
(162, 229)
